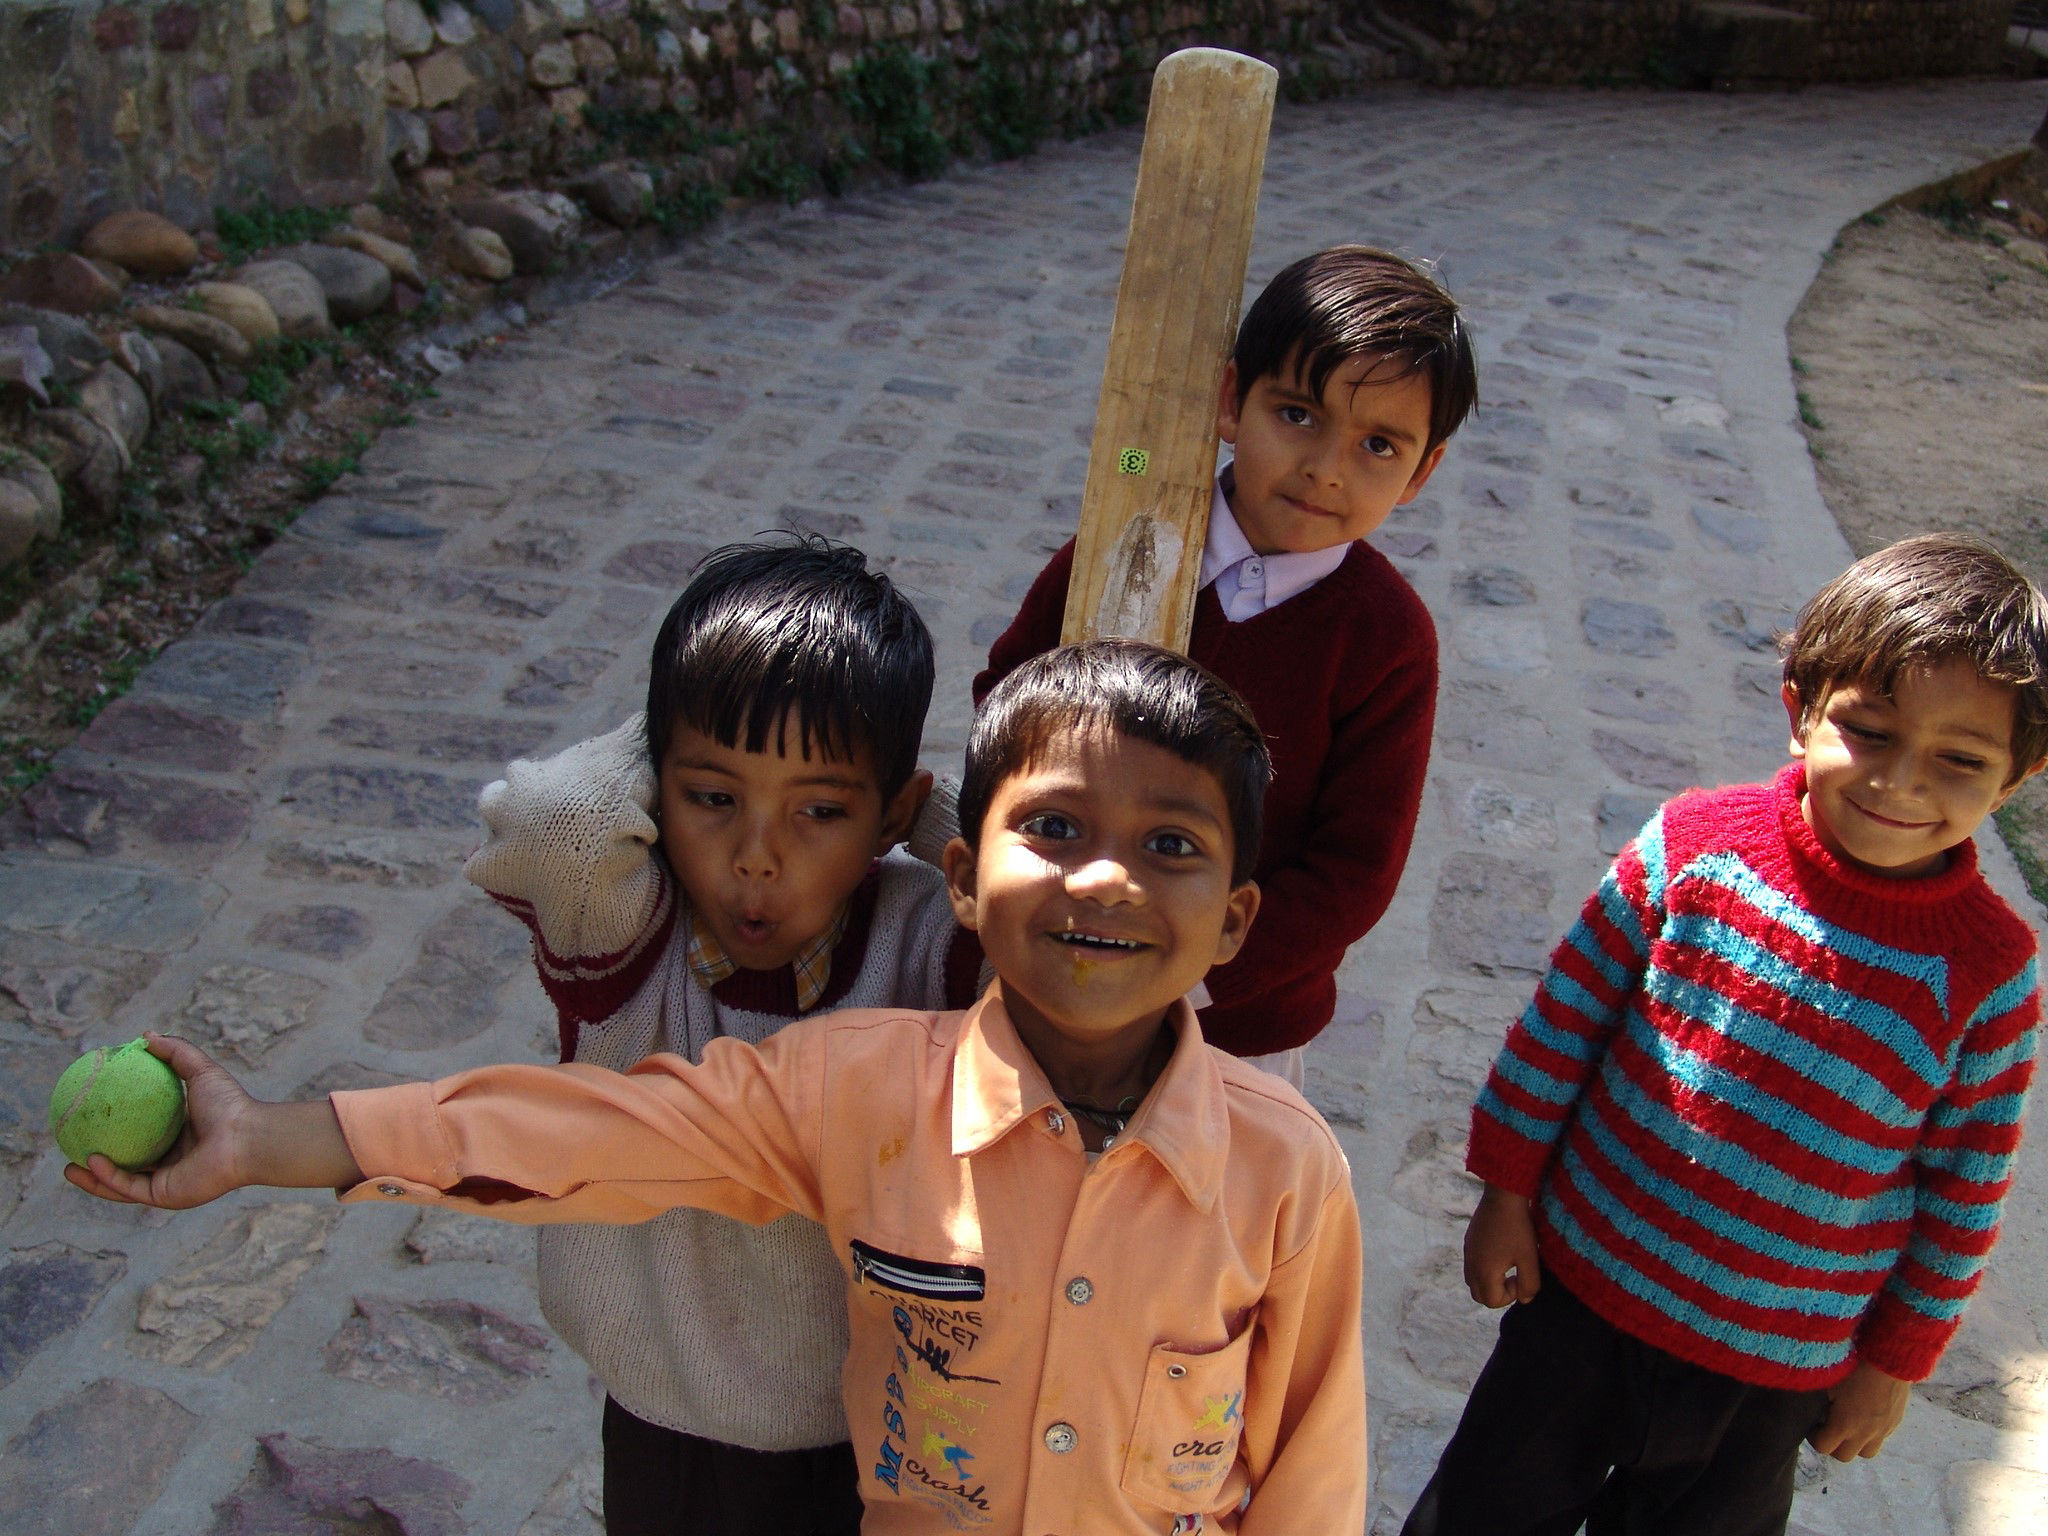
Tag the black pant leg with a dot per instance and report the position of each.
(1720, 1459)
(783, 1493)
(1552, 1412)
(643, 1475)
(660, 1482)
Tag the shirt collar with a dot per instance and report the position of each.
(1184, 1122)
(812, 966)
(1287, 575)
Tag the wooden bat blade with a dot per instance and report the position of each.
(1152, 464)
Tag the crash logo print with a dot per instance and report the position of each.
(1201, 1459)
(929, 1386)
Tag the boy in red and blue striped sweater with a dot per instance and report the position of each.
(1746, 1151)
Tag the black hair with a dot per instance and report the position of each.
(793, 625)
(1136, 690)
(1357, 300)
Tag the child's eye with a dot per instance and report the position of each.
(1052, 826)
(1296, 415)
(1175, 845)
(709, 799)
(1379, 447)
(1861, 733)
(825, 810)
(1966, 764)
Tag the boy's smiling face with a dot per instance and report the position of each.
(769, 845)
(1893, 783)
(1315, 473)
(1101, 890)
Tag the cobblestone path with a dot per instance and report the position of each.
(259, 847)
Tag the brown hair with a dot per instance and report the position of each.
(1923, 600)
(1357, 300)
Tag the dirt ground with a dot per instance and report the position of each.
(1922, 360)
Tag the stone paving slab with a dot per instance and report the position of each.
(260, 845)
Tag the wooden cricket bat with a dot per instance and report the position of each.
(1152, 465)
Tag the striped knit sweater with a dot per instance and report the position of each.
(1767, 1104)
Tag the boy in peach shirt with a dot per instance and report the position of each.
(1101, 1276)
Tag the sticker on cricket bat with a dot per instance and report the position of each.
(1133, 461)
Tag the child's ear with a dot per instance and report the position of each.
(958, 862)
(1423, 471)
(1795, 715)
(1237, 921)
(900, 814)
(1226, 405)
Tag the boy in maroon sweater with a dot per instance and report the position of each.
(1350, 373)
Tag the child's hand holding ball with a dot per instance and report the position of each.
(120, 1115)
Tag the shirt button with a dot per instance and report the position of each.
(1055, 1121)
(1254, 569)
(390, 1189)
(1060, 1438)
(1080, 1290)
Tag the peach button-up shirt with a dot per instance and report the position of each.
(1041, 1344)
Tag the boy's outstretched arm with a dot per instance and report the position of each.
(737, 1135)
(230, 1140)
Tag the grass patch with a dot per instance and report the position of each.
(768, 169)
(1953, 212)
(22, 766)
(262, 225)
(891, 95)
(645, 131)
(1007, 98)
(317, 475)
(1808, 416)
(690, 208)
(116, 679)
(2023, 824)
(280, 361)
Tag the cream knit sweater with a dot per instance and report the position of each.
(692, 1321)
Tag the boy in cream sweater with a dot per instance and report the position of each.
(717, 867)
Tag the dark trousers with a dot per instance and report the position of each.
(659, 1482)
(1575, 1422)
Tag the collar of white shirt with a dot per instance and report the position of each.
(1248, 583)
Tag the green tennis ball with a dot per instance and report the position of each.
(119, 1101)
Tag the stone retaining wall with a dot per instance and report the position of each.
(1887, 39)
(182, 106)
(1565, 42)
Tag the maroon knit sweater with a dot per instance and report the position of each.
(1342, 678)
